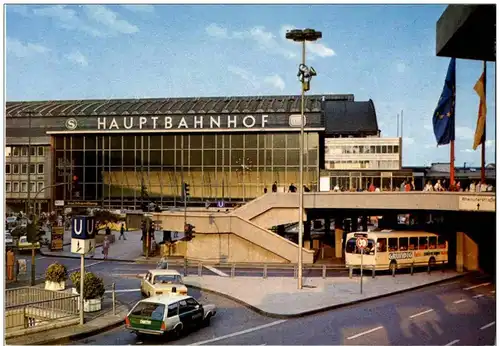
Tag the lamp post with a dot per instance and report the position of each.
(305, 75)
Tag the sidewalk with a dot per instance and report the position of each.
(64, 335)
(128, 249)
(279, 297)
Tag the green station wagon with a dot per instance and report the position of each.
(160, 315)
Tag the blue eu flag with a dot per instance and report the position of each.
(443, 120)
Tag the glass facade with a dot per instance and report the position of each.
(111, 169)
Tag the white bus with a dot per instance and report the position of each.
(388, 249)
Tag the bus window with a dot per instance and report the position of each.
(403, 244)
(413, 243)
(441, 243)
(422, 243)
(382, 245)
(432, 242)
(370, 249)
(393, 244)
(350, 246)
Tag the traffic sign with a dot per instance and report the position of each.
(361, 243)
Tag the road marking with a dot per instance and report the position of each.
(478, 296)
(241, 333)
(449, 283)
(364, 333)
(452, 343)
(459, 301)
(125, 290)
(480, 285)
(216, 271)
(487, 326)
(421, 313)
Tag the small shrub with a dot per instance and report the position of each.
(93, 286)
(56, 272)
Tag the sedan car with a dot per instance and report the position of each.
(162, 281)
(167, 314)
(24, 245)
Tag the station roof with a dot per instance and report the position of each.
(168, 106)
(348, 117)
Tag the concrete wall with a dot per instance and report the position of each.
(467, 253)
(248, 242)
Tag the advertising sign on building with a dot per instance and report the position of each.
(57, 239)
(477, 203)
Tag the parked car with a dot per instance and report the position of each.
(162, 281)
(9, 241)
(167, 314)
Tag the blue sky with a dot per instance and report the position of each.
(383, 53)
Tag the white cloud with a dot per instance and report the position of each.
(275, 81)
(467, 151)
(109, 19)
(216, 30)
(140, 8)
(464, 132)
(490, 143)
(408, 140)
(401, 67)
(23, 50)
(77, 58)
(105, 22)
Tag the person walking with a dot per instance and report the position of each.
(274, 188)
(105, 247)
(122, 233)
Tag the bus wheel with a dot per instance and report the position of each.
(393, 266)
(432, 262)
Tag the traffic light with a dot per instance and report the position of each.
(74, 186)
(186, 190)
(189, 232)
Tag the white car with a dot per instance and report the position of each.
(9, 241)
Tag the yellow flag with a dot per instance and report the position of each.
(481, 116)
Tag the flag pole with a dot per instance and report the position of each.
(452, 147)
(483, 146)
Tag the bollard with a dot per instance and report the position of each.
(200, 268)
(411, 268)
(429, 269)
(350, 272)
(373, 272)
(393, 271)
(232, 270)
(185, 267)
(265, 271)
(324, 271)
(443, 267)
(113, 295)
(295, 272)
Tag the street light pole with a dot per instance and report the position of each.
(305, 75)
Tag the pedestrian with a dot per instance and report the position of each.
(105, 247)
(265, 189)
(122, 233)
(274, 188)
(11, 260)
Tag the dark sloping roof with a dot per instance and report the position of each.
(350, 117)
(202, 105)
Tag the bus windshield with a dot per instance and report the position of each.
(353, 249)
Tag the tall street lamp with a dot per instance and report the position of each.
(305, 75)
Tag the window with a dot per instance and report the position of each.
(396, 149)
(432, 242)
(413, 243)
(184, 307)
(24, 169)
(389, 149)
(41, 151)
(15, 187)
(393, 244)
(149, 310)
(40, 168)
(24, 151)
(441, 242)
(15, 169)
(172, 310)
(403, 244)
(192, 302)
(7, 187)
(32, 187)
(40, 186)
(7, 169)
(32, 169)
(8, 151)
(422, 243)
(16, 151)
(24, 187)
(32, 151)
(382, 245)
(352, 248)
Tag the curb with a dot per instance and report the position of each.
(327, 308)
(82, 335)
(87, 258)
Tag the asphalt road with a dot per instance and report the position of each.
(461, 312)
